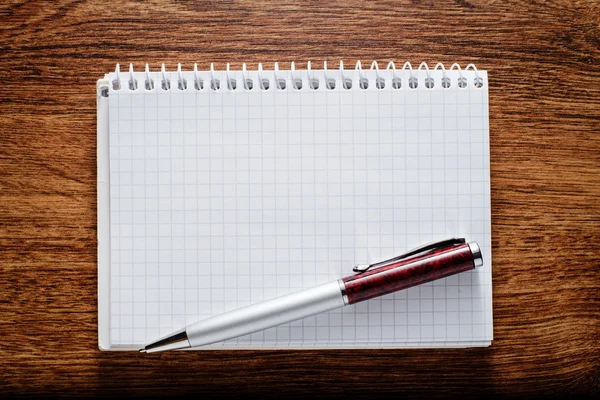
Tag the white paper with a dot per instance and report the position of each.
(220, 199)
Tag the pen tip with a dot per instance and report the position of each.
(142, 350)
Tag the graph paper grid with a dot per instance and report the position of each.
(223, 198)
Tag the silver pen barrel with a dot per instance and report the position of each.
(259, 316)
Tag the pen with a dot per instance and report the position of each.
(424, 264)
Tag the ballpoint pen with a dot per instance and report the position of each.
(421, 265)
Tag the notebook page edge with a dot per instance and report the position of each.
(103, 204)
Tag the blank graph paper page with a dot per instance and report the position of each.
(225, 188)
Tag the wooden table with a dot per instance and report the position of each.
(544, 66)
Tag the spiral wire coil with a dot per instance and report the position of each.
(293, 79)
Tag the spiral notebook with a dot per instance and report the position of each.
(222, 188)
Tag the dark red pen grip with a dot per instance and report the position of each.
(410, 272)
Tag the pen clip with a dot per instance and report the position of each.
(412, 253)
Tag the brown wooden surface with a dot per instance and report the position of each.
(543, 60)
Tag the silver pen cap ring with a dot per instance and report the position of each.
(477, 257)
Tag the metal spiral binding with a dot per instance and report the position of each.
(293, 79)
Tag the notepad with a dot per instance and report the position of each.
(222, 188)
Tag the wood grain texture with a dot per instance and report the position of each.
(543, 61)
